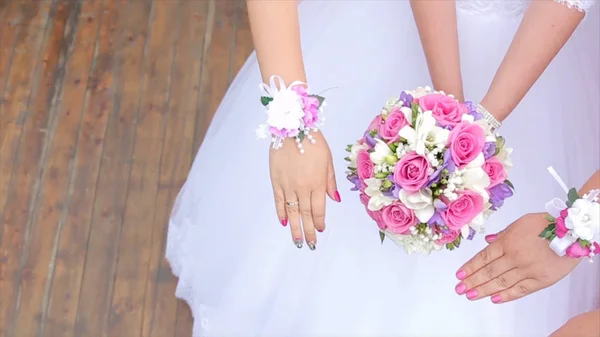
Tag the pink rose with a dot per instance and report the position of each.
(411, 172)
(398, 218)
(375, 123)
(446, 110)
(394, 122)
(375, 215)
(561, 229)
(364, 165)
(463, 210)
(576, 250)
(447, 237)
(311, 106)
(466, 142)
(495, 170)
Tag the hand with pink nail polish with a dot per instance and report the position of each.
(516, 263)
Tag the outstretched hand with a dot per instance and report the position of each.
(516, 263)
(300, 185)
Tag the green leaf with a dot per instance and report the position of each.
(584, 243)
(456, 242)
(549, 232)
(301, 136)
(550, 218)
(349, 148)
(381, 175)
(265, 100)
(387, 184)
(381, 236)
(321, 99)
(572, 196)
(450, 246)
(347, 159)
(499, 145)
(509, 183)
(415, 112)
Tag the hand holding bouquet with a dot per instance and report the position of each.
(430, 170)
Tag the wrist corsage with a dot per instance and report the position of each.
(292, 112)
(574, 227)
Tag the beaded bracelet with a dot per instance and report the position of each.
(487, 116)
(291, 112)
(575, 224)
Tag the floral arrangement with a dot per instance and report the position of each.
(429, 170)
(574, 227)
(291, 112)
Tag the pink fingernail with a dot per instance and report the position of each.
(491, 238)
(319, 230)
(461, 274)
(337, 196)
(496, 299)
(471, 294)
(460, 288)
(284, 222)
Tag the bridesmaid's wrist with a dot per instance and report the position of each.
(496, 107)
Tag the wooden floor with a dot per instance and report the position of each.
(104, 104)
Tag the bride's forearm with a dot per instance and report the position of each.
(436, 22)
(276, 37)
(545, 28)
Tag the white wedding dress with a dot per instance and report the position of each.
(238, 268)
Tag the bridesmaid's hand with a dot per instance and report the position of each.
(584, 325)
(300, 183)
(515, 264)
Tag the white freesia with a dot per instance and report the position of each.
(474, 177)
(421, 202)
(417, 136)
(286, 110)
(380, 151)
(414, 244)
(354, 150)
(476, 224)
(377, 200)
(437, 135)
(584, 219)
(504, 157)
(419, 92)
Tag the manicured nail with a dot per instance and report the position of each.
(337, 196)
(471, 294)
(298, 243)
(496, 299)
(461, 274)
(284, 222)
(460, 288)
(319, 230)
(491, 238)
(311, 245)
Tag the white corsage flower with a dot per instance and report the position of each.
(354, 150)
(417, 136)
(377, 200)
(474, 177)
(421, 202)
(286, 110)
(381, 151)
(584, 219)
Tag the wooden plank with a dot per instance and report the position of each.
(87, 90)
(136, 236)
(242, 42)
(111, 189)
(160, 307)
(29, 80)
(10, 24)
(57, 157)
(214, 82)
(15, 98)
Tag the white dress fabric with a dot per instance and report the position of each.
(238, 268)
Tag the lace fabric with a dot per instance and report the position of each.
(514, 7)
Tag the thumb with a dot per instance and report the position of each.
(332, 190)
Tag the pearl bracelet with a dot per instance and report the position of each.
(291, 112)
(487, 116)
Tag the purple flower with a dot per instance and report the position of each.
(439, 205)
(369, 140)
(448, 165)
(498, 193)
(472, 110)
(355, 180)
(436, 218)
(471, 234)
(489, 149)
(406, 99)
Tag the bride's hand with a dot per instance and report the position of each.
(515, 264)
(300, 183)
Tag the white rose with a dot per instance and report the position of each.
(381, 151)
(421, 202)
(356, 148)
(584, 219)
(285, 111)
(377, 200)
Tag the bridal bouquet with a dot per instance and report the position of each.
(429, 170)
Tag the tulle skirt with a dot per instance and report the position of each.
(238, 269)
